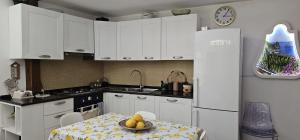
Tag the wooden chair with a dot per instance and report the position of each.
(147, 115)
(70, 118)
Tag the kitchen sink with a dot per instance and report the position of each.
(137, 90)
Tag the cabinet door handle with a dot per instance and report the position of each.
(149, 58)
(118, 95)
(177, 57)
(106, 58)
(45, 56)
(80, 50)
(141, 98)
(172, 101)
(58, 116)
(60, 103)
(126, 58)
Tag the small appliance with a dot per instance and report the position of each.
(21, 94)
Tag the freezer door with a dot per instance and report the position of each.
(220, 125)
(217, 69)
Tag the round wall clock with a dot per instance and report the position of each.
(225, 15)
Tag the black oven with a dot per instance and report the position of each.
(88, 101)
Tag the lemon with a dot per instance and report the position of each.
(68, 137)
(130, 123)
(138, 117)
(140, 125)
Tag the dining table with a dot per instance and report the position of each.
(106, 127)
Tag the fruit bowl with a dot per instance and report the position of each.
(148, 126)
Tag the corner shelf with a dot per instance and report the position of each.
(11, 116)
(12, 130)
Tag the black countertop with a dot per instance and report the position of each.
(61, 96)
(155, 93)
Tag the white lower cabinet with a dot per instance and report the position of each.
(117, 103)
(53, 121)
(53, 111)
(27, 122)
(143, 103)
(33, 122)
(177, 110)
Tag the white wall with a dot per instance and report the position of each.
(256, 18)
(4, 44)
(4, 51)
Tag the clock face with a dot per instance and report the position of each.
(225, 16)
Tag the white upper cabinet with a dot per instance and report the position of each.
(78, 34)
(151, 29)
(35, 33)
(105, 40)
(129, 40)
(178, 34)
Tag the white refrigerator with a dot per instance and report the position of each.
(217, 83)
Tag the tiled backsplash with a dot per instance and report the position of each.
(153, 71)
(70, 72)
(74, 71)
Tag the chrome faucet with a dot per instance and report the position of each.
(141, 77)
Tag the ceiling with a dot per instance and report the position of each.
(126, 7)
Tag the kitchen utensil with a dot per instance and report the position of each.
(102, 19)
(20, 94)
(177, 12)
(30, 2)
(12, 85)
(175, 80)
(147, 15)
(170, 86)
(104, 82)
(175, 86)
(163, 86)
(148, 126)
(180, 88)
(187, 89)
(42, 94)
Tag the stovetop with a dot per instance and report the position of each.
(72, 91)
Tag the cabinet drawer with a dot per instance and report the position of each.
(58, 106)
(53, 120)
(175, 100)
(143, 103)
(175, 110)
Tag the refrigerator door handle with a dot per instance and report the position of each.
(195, 117)
(196, 86)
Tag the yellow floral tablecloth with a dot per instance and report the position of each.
(106, 127)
